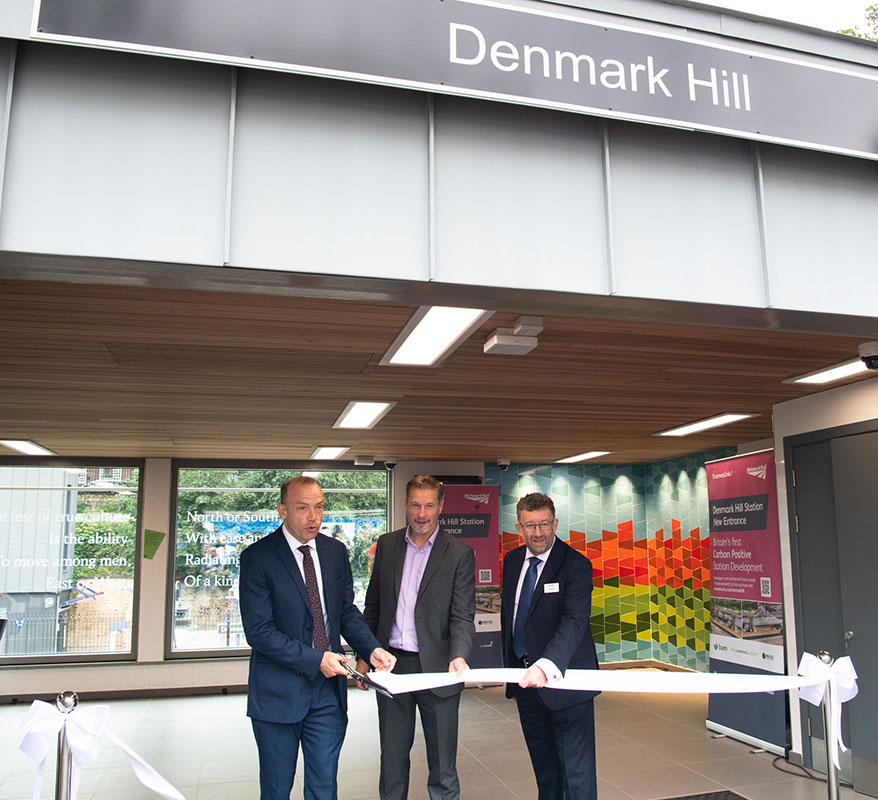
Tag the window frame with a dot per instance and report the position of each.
(91, 658)
(230, 465)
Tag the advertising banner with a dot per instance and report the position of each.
(746, 597)
(534, 53)
(472, 514)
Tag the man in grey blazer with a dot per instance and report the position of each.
(420, 605)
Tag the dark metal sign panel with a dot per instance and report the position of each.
(531, 52)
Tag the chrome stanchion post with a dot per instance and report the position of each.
(831, 770)
(66, 702)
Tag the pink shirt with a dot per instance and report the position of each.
(403, 635)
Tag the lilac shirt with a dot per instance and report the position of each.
(403, 635)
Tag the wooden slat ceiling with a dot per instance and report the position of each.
(133, 372)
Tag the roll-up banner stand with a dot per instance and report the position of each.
(746, 596)
(471, 513)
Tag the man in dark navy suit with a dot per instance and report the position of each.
(546, 604)
(297, 601)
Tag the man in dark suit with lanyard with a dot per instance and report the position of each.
(420, 604)
(296, 596)
(546, 604)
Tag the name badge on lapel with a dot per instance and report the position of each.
(552, 588)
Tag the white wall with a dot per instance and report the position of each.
(842, 406)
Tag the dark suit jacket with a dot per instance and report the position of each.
(277, 623)
(445, 606)
(557, 625)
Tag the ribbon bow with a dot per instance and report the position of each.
(840, 678)
(83, 726)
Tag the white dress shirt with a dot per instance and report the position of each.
(295, 544)
(551, 671)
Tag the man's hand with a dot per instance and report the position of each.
(381, 660)
(458, 665)
(362, 667)
(333, 664)
(533, 678)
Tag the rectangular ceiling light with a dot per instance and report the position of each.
(836, 372)
(27, 447)
(432, 334)
(705, 424)
(328, 453)
(584, 456)
(360, 414)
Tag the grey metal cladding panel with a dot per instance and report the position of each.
(116, 155)
(821, 213)
(519, 198)
(329, 177)
(685, 217)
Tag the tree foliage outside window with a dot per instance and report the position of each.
(222, 511)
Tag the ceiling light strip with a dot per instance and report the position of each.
(27, 447)
(432, 334)
(584, 456)
(705, 424)
(836, 372)
(362, 414)
(328, 452)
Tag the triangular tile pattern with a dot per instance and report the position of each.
(644, 529)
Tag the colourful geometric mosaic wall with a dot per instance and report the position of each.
(644, 529)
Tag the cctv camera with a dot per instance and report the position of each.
(389, 463)
(869, 354)
(503, 463)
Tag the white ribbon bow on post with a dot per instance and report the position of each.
(84, 726)
(841, 678)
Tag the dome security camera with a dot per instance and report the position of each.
(390, 463)
(869, 354)
(503, 463)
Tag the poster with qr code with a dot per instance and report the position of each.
(746, 604)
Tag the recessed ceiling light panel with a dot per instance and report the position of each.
(583, 456)
(432, 334)
(704, 424)
(27, 447)
(361, 414)
(327, 453)
(836, 372)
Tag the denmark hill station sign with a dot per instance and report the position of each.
(532, 53)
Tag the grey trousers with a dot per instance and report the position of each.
(396, 726)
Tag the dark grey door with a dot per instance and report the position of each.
(836, 554)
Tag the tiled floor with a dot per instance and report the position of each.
(648, 746)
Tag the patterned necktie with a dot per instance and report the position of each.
(319, 640)
(524, 600)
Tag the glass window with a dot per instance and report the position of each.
(221, 511)
(67, 560)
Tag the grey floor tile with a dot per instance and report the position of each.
(748, 770)
(670, 781)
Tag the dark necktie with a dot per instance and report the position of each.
(524, 601)
(318, 636)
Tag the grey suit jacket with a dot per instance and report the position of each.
(446, 600)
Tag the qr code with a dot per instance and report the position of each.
(765, 587)
(485, 575)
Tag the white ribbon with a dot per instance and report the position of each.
(811, 682)
(83, 726)
(840, 678)
(619, 680)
